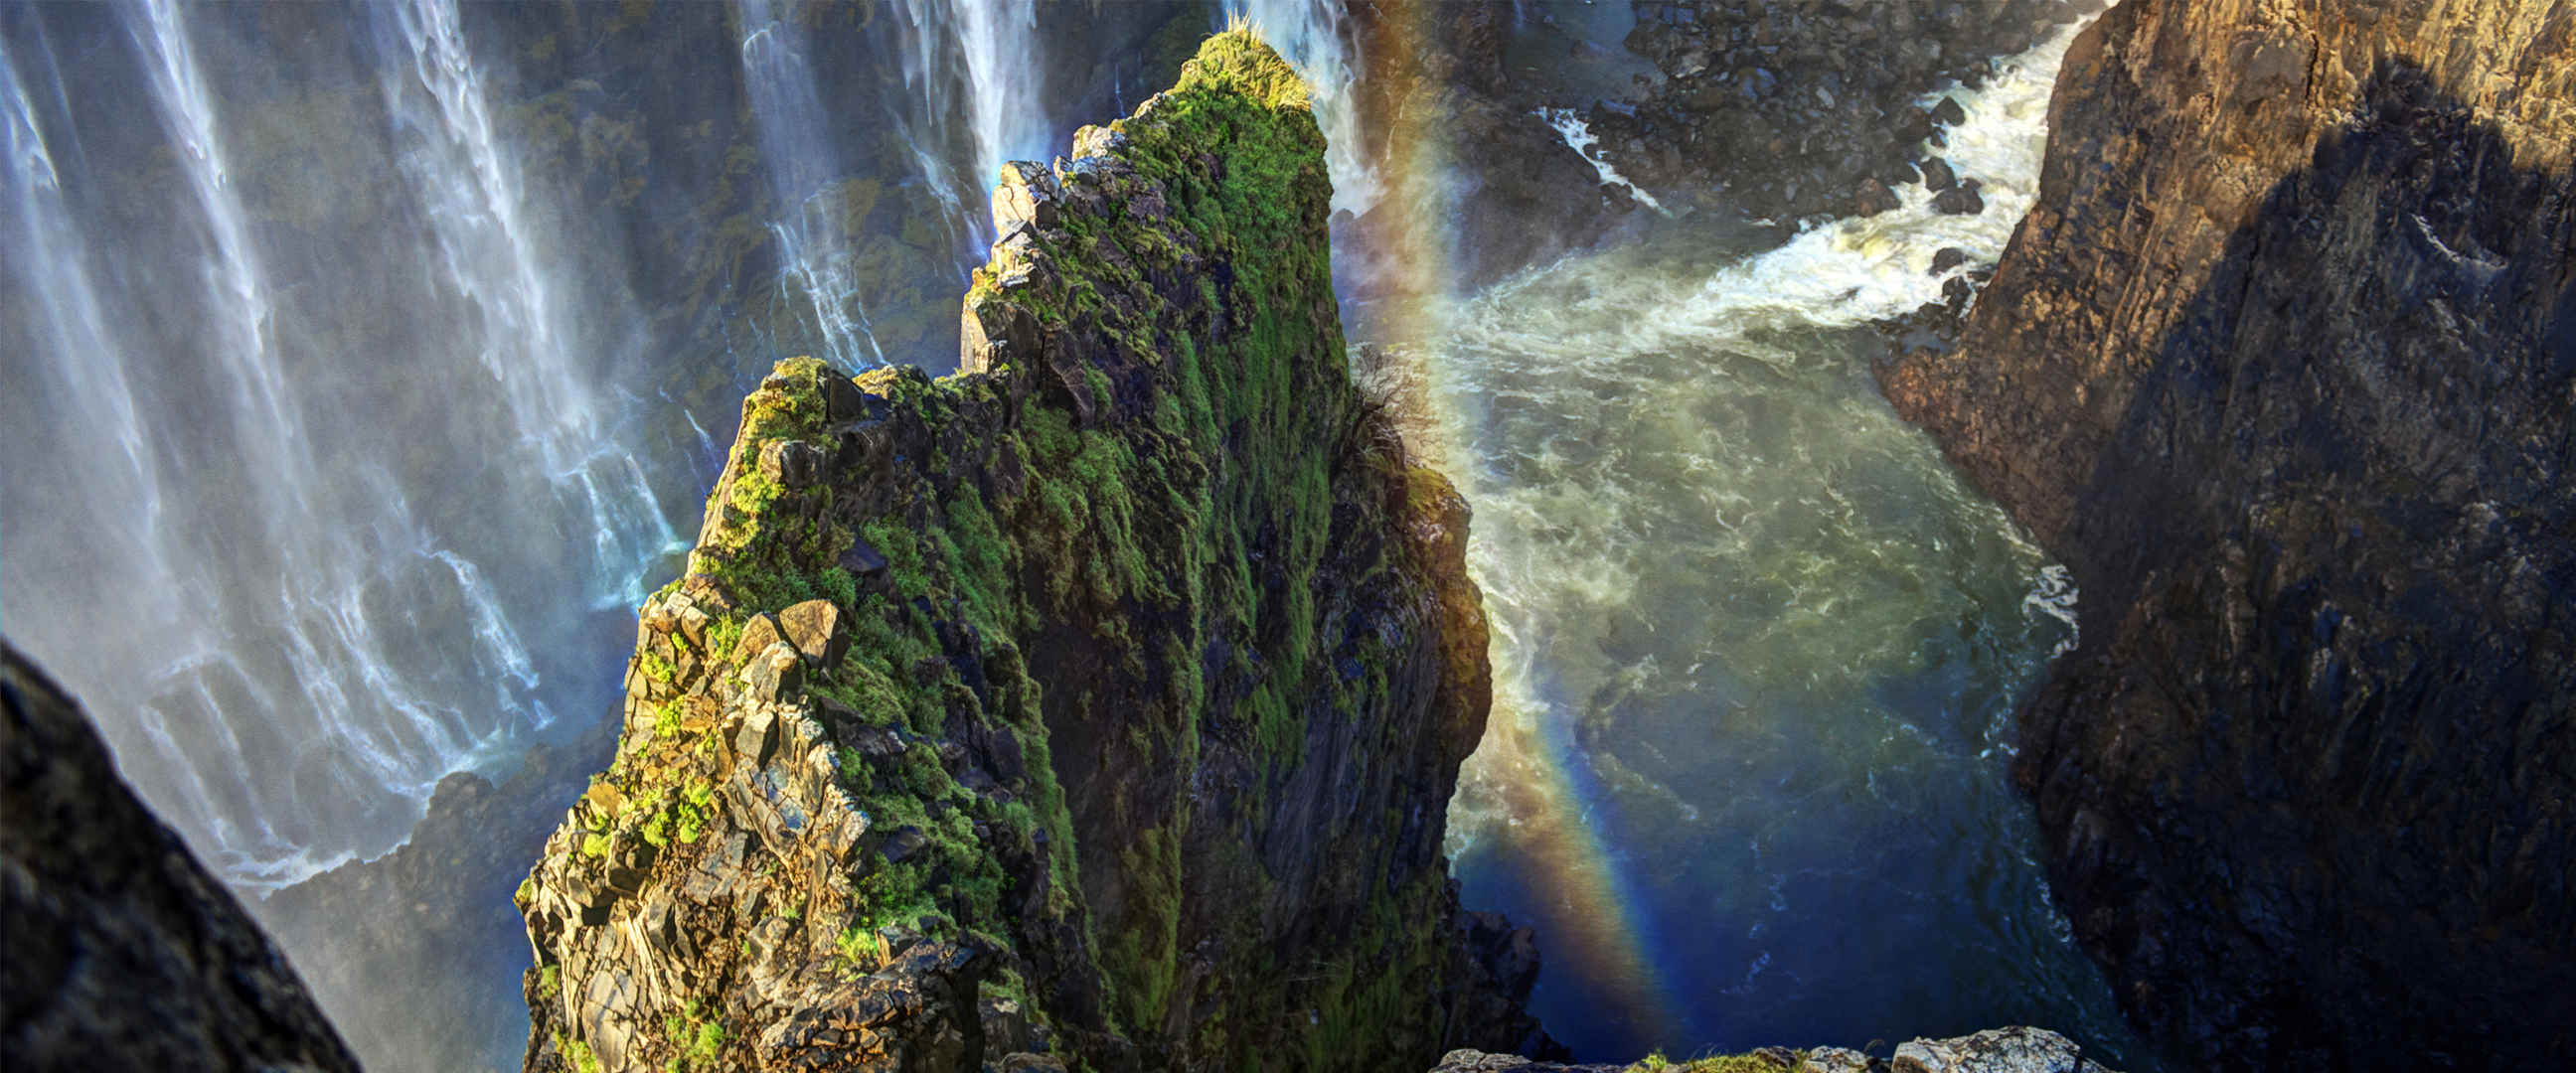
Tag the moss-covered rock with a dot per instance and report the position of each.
(1102, 699)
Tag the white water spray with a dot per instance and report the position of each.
(489, 248)
(1855, 270)
(974, 64)
(815, 251)
(260, 561)
(1732, 592)
(1579, 137)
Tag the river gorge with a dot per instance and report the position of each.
(1573, 528)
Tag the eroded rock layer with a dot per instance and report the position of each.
(1100, 704)
(123, 951)
(2282, 364)
(2019, 1049)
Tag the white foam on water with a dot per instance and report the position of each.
(1579, 137)
(1858, 269)
(1599, 438)
(2053, 595)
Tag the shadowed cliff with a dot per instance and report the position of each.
(1097, 705)
(123, 951)
(2282, 364)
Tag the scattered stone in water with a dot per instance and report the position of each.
(1950, 257)
(1937, 175)
(1960, 200)
(1873, 198)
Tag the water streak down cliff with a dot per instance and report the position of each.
(1103, 699)
(2283, 364)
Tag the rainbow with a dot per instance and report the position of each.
(1527, 784)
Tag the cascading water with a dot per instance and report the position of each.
(526, 341)
(973, 64)
(291, 610)
(805, 176)
(1579, 137)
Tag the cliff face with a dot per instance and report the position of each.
(1098, 704)
(2282, 364)
(124, 952)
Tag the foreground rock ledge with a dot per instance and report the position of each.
(1996, 1050)
(123, 951)
(1097, 706)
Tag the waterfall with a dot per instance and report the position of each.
(974, 64)
(1000, 39)
(488, 250)
(317, 512)
(804, 171)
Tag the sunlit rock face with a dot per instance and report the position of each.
(2281, 363)
(124, 952)
(1098, 705)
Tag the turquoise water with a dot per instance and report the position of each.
(1757, 651)
(1757, 648)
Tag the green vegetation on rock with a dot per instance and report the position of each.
(1132, 656)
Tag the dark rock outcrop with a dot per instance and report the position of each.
(1996, 1050)
(1099, 705)
(2283, 364)
(1455, 140)
(1789, 105)
(123, 951)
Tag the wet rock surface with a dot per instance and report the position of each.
(1434, 75)
(1096, 707)
(1786, 109)
(123, 951)
(2282, 364)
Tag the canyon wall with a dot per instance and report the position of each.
(1098, 705)
(2282, 364)
(124, 952)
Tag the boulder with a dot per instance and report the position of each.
(818, 631)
